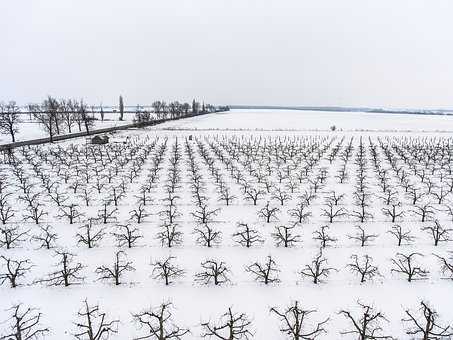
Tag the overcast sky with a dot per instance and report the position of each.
(392, 53)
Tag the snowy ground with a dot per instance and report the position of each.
(194, 302)
(314, 120)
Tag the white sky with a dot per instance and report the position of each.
(392, 53)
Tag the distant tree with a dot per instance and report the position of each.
(9, 119)
(121, 108)
(165, 270)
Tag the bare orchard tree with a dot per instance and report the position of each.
(67, 271)
(317, 270)
(366, 326)
(401, 235)
(426, 325)
(158, 324)
(266, 272)
(363, 268)
(90, 234)
(247, 236)
(170, 235)
(35, 212)
(24, 324)
(12, 236)
(425, 211)
(93, 324)
(284, 236)
(6, 210)
(9, 119)
(322, 235)
(332, 212)
(120, 266)
(106, 215)
(446, 266)
(362, 237)
(231, 326)
(139, 214)
(71, 212)
(295, 324)
(207, 236)
(213, 271)
(167, 271)
(204, 215)
(300, 213)
(393, 211)
(46, 238)
(13, 270)
(405, 264)
(126, 235)
(438, 233)
(268, 213)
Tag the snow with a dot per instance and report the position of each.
(195, 303)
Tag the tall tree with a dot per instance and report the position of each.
(9, 119)
(121, 107)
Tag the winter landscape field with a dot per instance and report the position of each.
(299, 231)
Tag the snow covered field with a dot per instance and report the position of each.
(314, 120)
(361, 176)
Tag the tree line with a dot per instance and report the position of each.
(60, 116)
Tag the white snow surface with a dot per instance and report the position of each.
(194, 302)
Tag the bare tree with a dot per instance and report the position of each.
(207, 236)
(13, 270)
(438, 233)
(393, 212)
(364, 268)
(46, 238)
(284, 235)
(213, 271)
(447, 266)
(318, 269)
(12, 236)
(362, 237)
(139, 214)
(106, 215)
(158, 324)
(120, 265)
(268, 213)
(35, 212)
(9, 119)
(226, 196)
(322, 235)
(71, 212)
(294, 322)
(165, 270)
(93, 324)
(67, 272)
(6, 211)
(401, 235)
(299, 212)
(404, 264)
(427, 325)
(89, 234)
(24, 324)
(231, 326)
(264, 272)
(425, 211)
(126, 235)
(281, 196)
(252, 194)
(171, 236)
(367, 326)
(332, 211)
(203, 215)
(247, 236)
